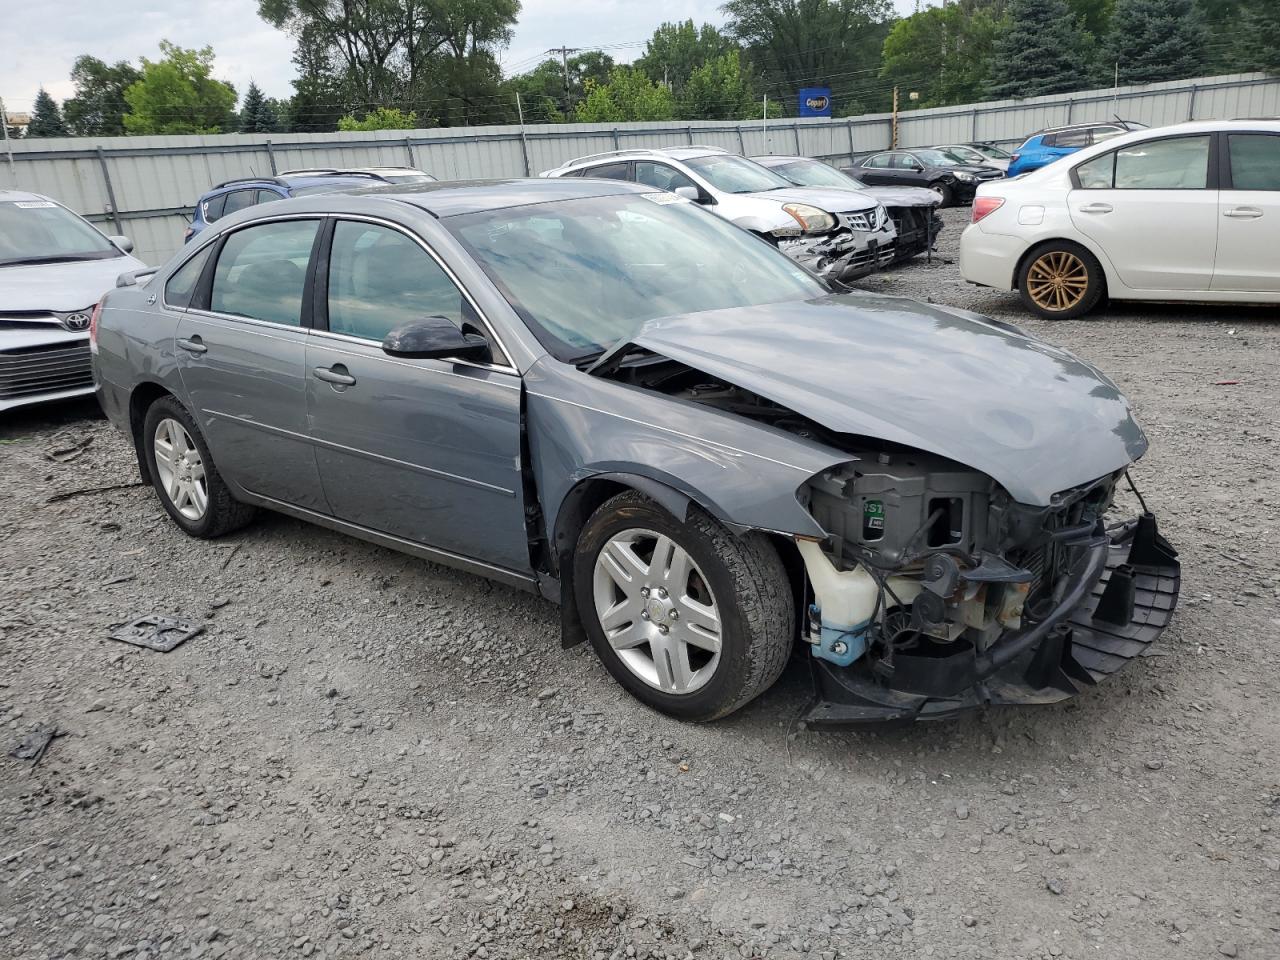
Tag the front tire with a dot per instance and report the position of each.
(1061, 280)
(184, 476)
(690, 619)
(945, 191)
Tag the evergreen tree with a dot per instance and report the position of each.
(1260, 37)
(98, 108)
(257, 114)
(1040, 51)
(1153, 40)
(46, 118)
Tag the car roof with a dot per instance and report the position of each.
(451, 198)
(287, 180)
(633, 153)
(783, 158)
(22, 195)
(1110, 122)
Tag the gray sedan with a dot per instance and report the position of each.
(605, 394)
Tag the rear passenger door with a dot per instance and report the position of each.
(424, 450)
(1249, 213)
(875, 170)
(241, 349)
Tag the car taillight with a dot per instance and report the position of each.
(93, 325)
(984, 206)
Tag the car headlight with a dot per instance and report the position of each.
(966, 177)
(811, 219)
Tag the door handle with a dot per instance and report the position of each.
(1242, 213)
(337, 375)
(193, 345)
(1096, 208)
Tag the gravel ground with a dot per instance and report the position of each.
(367, 754)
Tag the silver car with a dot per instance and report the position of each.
(837, 233)
(54, 268)
(602, 393)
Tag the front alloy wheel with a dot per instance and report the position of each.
(691, 619)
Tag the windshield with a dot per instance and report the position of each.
(585, 274)
(964, 154)
(994, 152)
(40, 231)
(934, 158)
(815, 173)
(736, 174)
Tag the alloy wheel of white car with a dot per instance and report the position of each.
(657, 611)
(181, 469)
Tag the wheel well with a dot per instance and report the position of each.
(140, 401)
(1036, 250)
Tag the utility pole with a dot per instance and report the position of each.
(894, 144)
(764, 123)
(564, 62)
(8, 144)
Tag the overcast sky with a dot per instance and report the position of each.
(42, 40)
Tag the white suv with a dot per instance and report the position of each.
(840, 234)
(1187, 212)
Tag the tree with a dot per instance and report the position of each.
(1260, 37)
(384, 118)
(1153, 40)
(799, 43)
(98, 108)
(436, 58)
(629, 95)
(177, 94)
(542, 89)
(257, 115)
(46, 118)
(319, 99)
(1040, 51)
(943, 53)
(720, 89)
(676, 50)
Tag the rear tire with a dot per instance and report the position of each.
(948, 195)
(182, 471)
(1061, 280)
(689, 618)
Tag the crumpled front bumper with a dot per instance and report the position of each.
(1118, 600)
(842, 254)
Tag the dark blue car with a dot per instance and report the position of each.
(1045, 146)
(226, 198)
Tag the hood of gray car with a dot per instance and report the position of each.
(1030, 415)
(60, 286)
(831, 199)
(904, 196)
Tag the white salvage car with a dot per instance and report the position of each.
(54, 267)
(1187, 212)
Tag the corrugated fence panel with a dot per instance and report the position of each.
(156, 180)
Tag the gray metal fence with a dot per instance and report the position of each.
(144, 187)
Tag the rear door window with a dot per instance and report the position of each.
(1255, 161)
(1179, 163)
(239, 200)
(880, 161)
(1098, 173)
(609, 171)
(1071, 139)
(262, 271)
(212, 208)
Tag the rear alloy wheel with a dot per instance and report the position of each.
(691, 619)
(184, 476)
(1061, 281)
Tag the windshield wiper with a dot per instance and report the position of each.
(63, 258)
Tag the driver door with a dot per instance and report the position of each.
(425, 450)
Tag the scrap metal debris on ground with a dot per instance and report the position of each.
(36, 743)
(157, 633)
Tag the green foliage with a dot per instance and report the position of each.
(720, 89)
(1040, 51)
(1260, 37)
(798, 43)
(177, 94)
(1153, 40)
(46, 118)
(943, 53)
(542, 89)
(384, 118)
(434, 58)
(676, 50)
(98, 108)
(319, 97)
(257, 114)
(628, 95)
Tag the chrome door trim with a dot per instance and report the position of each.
(510, 577)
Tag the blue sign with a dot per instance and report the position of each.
(815, 102)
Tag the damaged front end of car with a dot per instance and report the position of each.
(935, 592)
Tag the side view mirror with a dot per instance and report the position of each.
(124, 243)
(435, 338)
(689, 193)
(916, 167)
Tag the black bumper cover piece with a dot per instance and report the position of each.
(1121, 598)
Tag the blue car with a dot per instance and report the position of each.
(226, 198)
(1046, 146)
